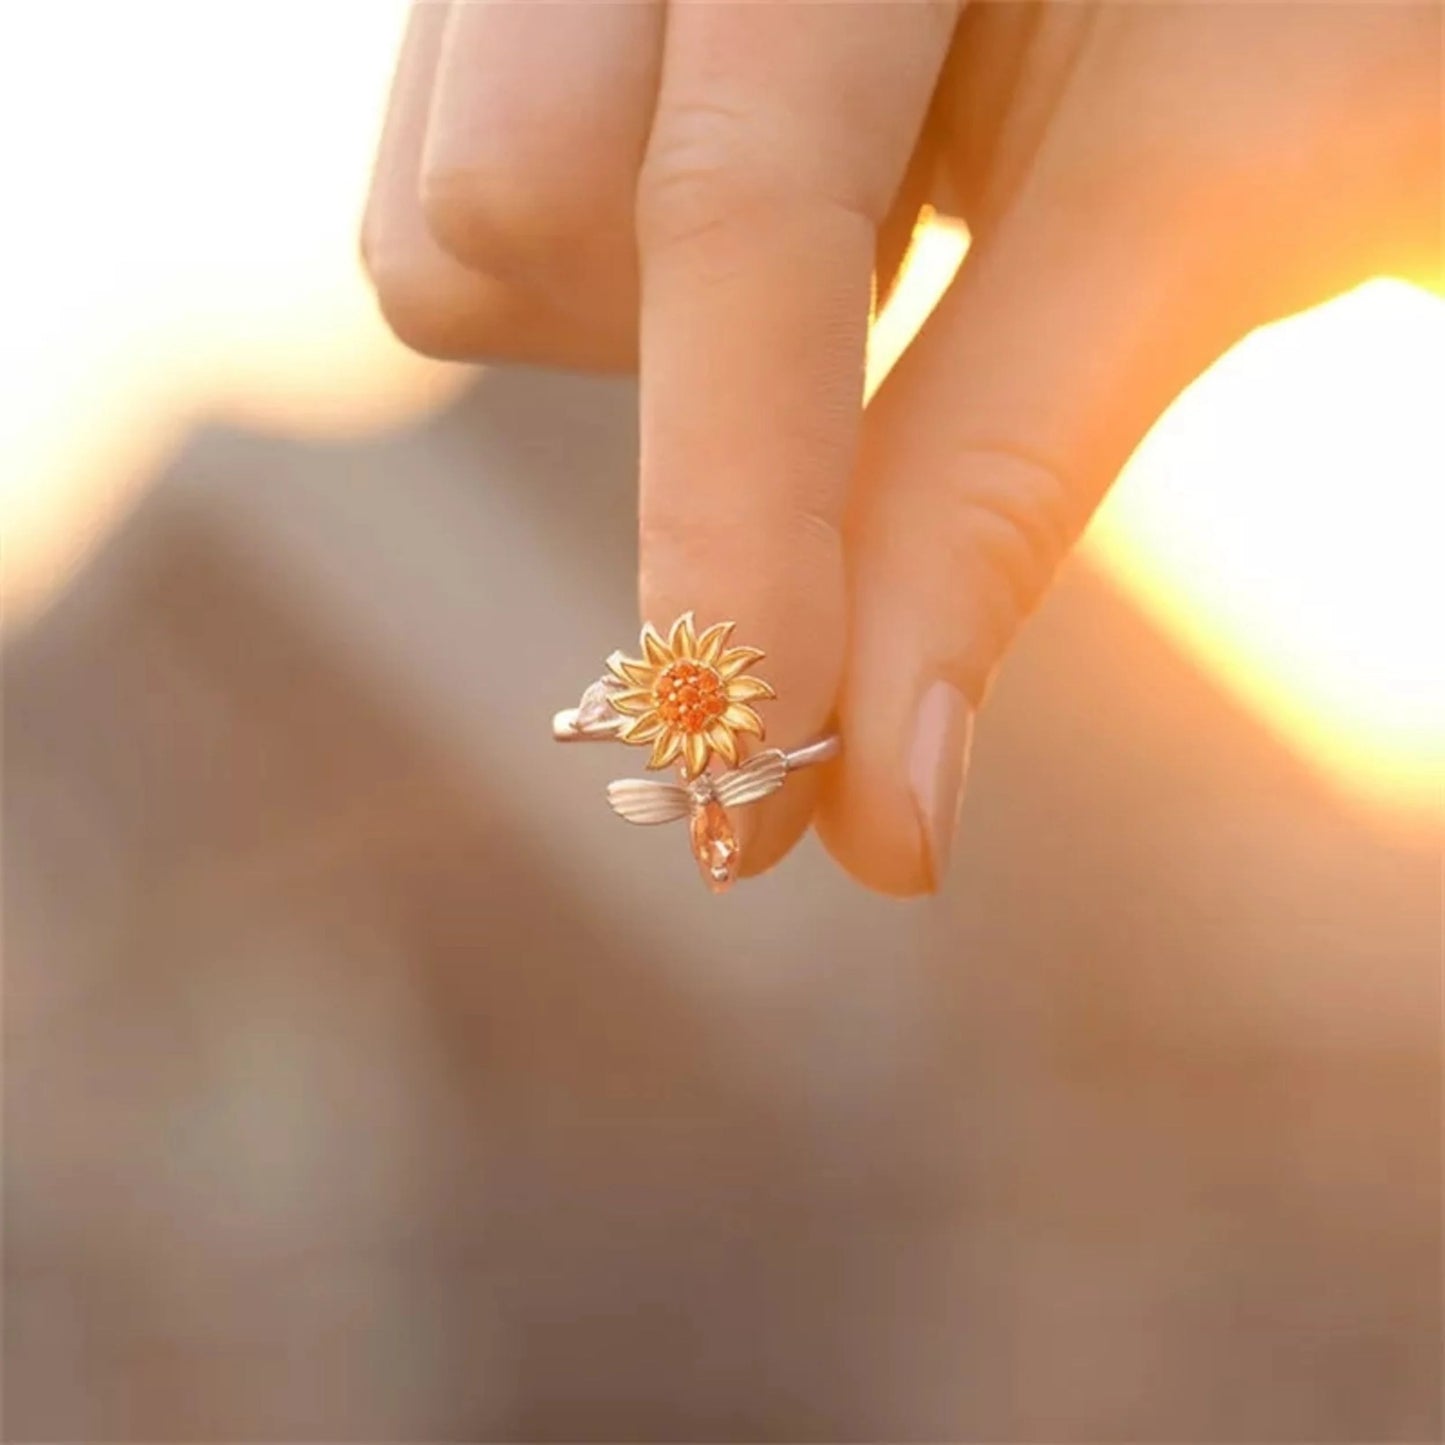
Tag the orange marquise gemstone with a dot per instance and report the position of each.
(714, 845)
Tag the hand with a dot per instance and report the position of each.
(710, 187)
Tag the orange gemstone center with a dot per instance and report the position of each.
(689, 696)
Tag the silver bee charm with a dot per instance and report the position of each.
(647, 801)
(704, 802)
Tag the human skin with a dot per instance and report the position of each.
(707, 189)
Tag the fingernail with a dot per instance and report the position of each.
(937, 761)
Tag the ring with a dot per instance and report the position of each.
(690, 699)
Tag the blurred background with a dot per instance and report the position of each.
(358, 1085)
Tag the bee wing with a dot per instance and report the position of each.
(642, 800)
(760, 775)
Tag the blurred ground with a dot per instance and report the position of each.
(363, 1082)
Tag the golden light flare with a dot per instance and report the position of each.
(1283, 523)
(188, 184)
(934, 256)
(688, 695)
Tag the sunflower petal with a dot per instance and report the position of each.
(710, 644)
(634, 702)
(653, 647)
(665, 748)
(630, 670)
(743, 719)
(682, 640)
(745, 689)
(735, 659)
(640, 729)
(721, 740)
(695, 753)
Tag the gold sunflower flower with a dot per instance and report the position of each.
(688, 696)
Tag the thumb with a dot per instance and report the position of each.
(1063, 338)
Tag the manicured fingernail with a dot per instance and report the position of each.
(937, 760)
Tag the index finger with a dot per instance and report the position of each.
(780, 137)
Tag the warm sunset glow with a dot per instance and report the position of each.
(936, 253)
(195, 174)
(1285, 522)
(189, 247)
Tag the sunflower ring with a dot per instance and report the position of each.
(689, 699)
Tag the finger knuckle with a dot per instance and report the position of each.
(503, 223)
(1015, 516)
(702, 175)
(422, 310)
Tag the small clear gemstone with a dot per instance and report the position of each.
(595, 709)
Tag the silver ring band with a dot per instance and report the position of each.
(824, 750)
(567, 728)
